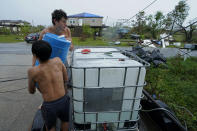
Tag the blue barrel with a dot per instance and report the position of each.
(60, 46)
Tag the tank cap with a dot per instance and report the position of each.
(85, 51)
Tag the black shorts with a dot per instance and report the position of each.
(56, 109)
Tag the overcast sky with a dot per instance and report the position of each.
(38, 12)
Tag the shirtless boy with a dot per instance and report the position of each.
(50, 75)
(59, 18)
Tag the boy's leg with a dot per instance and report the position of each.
(49, 117)
(52, 129)
(64, 114)
(64, 126)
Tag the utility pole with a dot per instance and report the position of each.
(32, 26)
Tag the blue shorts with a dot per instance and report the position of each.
(55, 109)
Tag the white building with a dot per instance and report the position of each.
(75, 23)
(13, 25)
(85, 19)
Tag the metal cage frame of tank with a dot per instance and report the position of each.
(131, 56)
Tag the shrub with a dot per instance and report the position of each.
(176, 86)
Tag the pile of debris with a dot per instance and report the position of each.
(154, 57)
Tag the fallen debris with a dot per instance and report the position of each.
(154, 57)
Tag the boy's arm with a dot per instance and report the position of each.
(33, 60)
(65, 76)
(70, 39)
(40, 38)
(42, 33)
(31, 82)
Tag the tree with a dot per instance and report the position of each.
(25, 29)
(5, 30)
(180, 12)
(37, 28)
(140, 23)
(189, 32)
(156, 24)
(177, 18)
(87, 31)
(40, 27)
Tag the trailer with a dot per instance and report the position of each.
(106, 92)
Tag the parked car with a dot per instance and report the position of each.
(32, 37)
(156, 42)
(135, 36)
(122, 32)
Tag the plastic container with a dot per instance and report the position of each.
(59, 44)
(107, 88)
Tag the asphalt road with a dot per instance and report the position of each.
(22, 48)
(15, 48)
(18, 108)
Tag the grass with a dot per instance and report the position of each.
(179, 37)
(76, 40)
(177, 87)
(98, 42)
(11, 38)
(89, 42)
(173, 46)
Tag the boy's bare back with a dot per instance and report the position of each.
(50, 77)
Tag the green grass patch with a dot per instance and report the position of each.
(173, 46)
(11, 38)
(179, 37)
(98, 42)
(89, 42)
(76, 41)
(177, 87)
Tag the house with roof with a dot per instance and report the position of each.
(85, 19)
(13, 25)
(75, 22)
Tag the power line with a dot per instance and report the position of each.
(13, 79)
(16, 65)
(195, 19)
(13, 90)
(7, 85)
(140, 11)
(10, 77)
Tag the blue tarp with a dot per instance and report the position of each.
(85, 15)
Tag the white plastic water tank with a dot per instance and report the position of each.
(100, 78)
